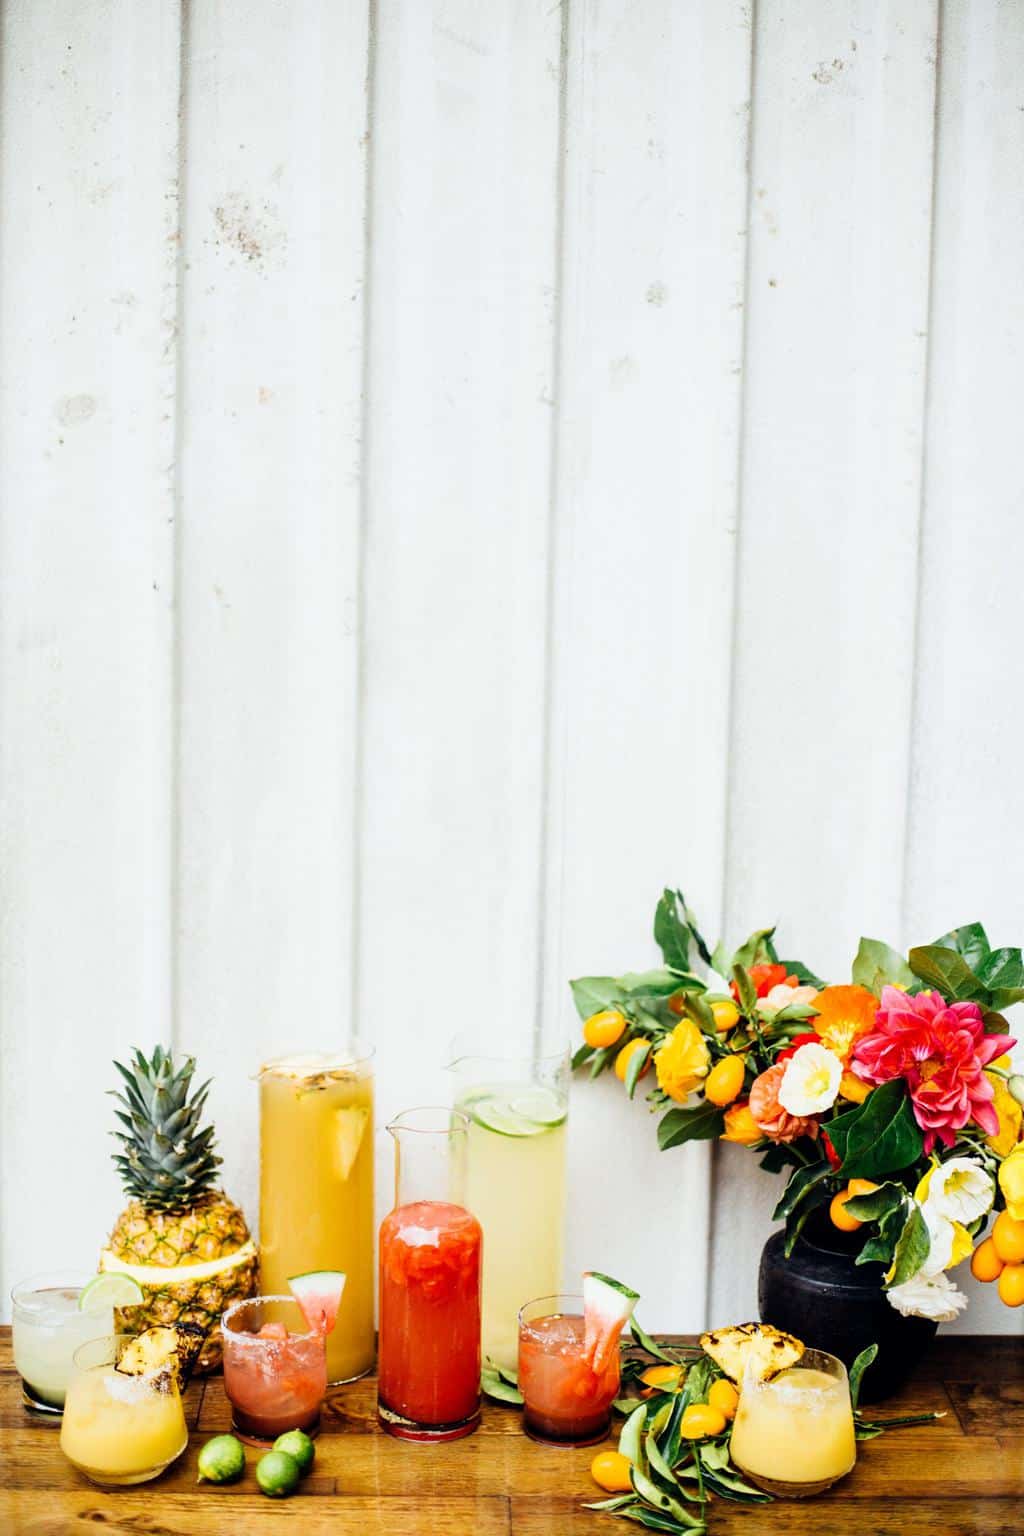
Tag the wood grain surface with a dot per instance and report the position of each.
(961, 1476)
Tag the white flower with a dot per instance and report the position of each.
(950, 1242)
(783, 996)
(810, 1082)
(960, 1190)
(932, 1296)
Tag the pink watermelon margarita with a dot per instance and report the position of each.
(275, 1357)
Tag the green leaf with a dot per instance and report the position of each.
(969, 940)
(701, 1123)
(617, 1501)
(800, 1183)
(492, 1385)
(946, 972)
(857, 1369)
(880, 1249)
(671, 1436)
(592, 993)
(878, 1137)
(877, 964)
(699, 1010)
(804, 976)
(659, 983)
(665, 1503)
(797, 1220)
(746, 989)
(649, 1345)
(911, 1250)
(604, 1058)
(631, 1433)
(583, 1054)
(754, 950)
(779, 1156)
(659, 1465)
(1004, 997)
(872, 1207)
(728, 1484)
(658, 1522)
(672, 932)
(636, 1064)
(794, 1012)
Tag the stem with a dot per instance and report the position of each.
(910, 1418)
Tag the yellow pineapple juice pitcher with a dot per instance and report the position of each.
(316, 1188)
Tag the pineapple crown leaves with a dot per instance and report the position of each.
(167, 1162)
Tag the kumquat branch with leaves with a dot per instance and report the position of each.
(890, 1097)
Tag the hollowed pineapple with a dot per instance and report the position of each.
(184, 1242)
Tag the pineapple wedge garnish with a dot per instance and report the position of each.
(751, 1351)
(171, 1351)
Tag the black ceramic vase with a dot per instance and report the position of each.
(834, 1304)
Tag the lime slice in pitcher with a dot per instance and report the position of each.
(526, 1112)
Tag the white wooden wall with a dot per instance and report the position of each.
(463, 465)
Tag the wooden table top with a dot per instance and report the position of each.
(961, 1476)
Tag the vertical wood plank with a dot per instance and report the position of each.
(840, 221)
(88, 254)
(460, 397)
(275, 129)
(653, 265)
(970, 665)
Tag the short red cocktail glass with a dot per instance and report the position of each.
(565, 1401)
(428, 1356)
(275, 1368)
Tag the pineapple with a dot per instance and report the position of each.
(184, 1242)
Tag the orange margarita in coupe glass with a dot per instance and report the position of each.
(316, 1188)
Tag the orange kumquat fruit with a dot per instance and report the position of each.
(1011, 1285)
(1008, 1238)
(604, 1028)
(701, 1420)
(986, 1264)
(622, 1060)
(610, 1471)
(725, 1080)
(723, 1396)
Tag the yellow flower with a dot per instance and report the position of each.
(1011, 1182)
(741, 1127)
(682, 1063)
(853, 1088)
(1010, 1114)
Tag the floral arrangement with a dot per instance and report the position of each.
(890, 1097)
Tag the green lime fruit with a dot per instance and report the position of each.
(104, 1292)
(278, 1474)
(298, 1446)
(221, 1460)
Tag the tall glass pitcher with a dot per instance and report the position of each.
(316, 1188)
(429, 1366)
(517, 1108)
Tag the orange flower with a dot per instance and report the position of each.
(740, 1126)
(844, 1014)
(774, 1121)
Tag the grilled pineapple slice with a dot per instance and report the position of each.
(173, 1351)
(751, 1351)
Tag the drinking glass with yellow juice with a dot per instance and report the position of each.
(793, 1435)
(316, 1188)
(515, 1186)
(120, 1428)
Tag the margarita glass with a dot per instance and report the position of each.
(48, 1326)
(275, 1368)
(565, 1400)
(316, 1188)
(793, 1435)
(429, 1368)
(120, 1429)
(516, 1107)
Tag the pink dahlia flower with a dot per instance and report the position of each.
(940, 1050)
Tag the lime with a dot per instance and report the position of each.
(278, 1474)
(104, 1292)
(298, 1446)
(541, 1105)
(221, 1460)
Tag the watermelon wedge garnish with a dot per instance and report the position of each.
(319, 1296)
(607, 1307)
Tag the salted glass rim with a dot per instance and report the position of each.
(552, 1311)
(58, 1279)
(811, 1359)
(355, 1053)
(249, 1339)
(456, 1122)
